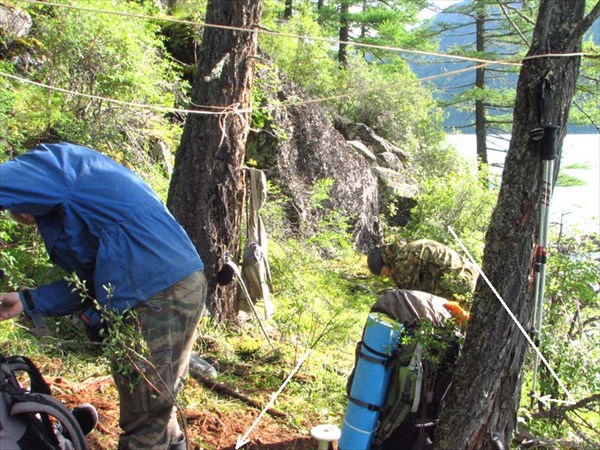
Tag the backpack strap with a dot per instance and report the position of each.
(416, 365)
(406, 401)
(44, 404)
(39, 401)
(11, 386)
(22, 363)
(369, 406)
(382, 358)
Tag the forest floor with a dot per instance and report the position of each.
(207, 428)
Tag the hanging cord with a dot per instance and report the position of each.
(512, 316)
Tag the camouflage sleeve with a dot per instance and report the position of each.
(429, 266)
(404, 265)
(457, 275)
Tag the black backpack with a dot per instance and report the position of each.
(416, 387)
(31, 419)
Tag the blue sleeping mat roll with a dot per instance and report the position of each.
(370, 384)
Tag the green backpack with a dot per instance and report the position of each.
(420, 376)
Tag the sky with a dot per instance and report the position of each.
(441, 4)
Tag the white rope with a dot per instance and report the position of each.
(515, 62)
(512, 316)
(226, 109)
(277, 33)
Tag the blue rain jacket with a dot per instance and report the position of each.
(99, 220)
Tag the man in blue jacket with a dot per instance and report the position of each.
(103, 223)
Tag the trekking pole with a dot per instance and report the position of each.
(240, 280)
(548, 155)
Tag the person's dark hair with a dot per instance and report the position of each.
(375, 261)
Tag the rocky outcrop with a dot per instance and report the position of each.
(311, 150)
(302, 145)
(15, 24)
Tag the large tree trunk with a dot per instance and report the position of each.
(482, 403)
(207, 187)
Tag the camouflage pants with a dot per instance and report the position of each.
(167, 323)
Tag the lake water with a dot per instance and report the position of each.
(576, 207)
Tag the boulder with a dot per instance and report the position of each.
(305, 149)
(15, 23)
(374, 142)
(301, 145)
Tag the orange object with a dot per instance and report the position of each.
(455, 309)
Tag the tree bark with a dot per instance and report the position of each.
(344, 33)
(288, 11)
(481, 407)
(207, 186)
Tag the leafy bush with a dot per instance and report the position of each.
(394, 104)
(23, 257)
(572, 299)
(306, 62)
(569, 341)
(98, 66)
(387, 97)
(459, 200)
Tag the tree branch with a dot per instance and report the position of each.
(524, 439)
(512, 23)
(586, 23)
(590, 118)
(563, 409)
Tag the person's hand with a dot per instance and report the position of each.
(10, 305)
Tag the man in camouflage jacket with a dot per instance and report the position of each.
(424, 265)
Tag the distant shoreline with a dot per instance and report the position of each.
(577, 207)
(571, 129)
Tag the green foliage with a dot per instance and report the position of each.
(7, 100)
(274, 213)
(572, 301)
(586, 104)
(23, 257)
(315, 301)
(388, 24)
(566, 180)
(311, 297)
(436, 161)
(506, 36)
(330, 228)
(570, 340)
(499, 103)
(579, 166)
(333, 227)
(99, 66)
(186, 8)
(264, 94)
(381, 94)
(321, 291)
(457, 199)
(306, 62)
(435, 341)
(387, 102)
(121, 343)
